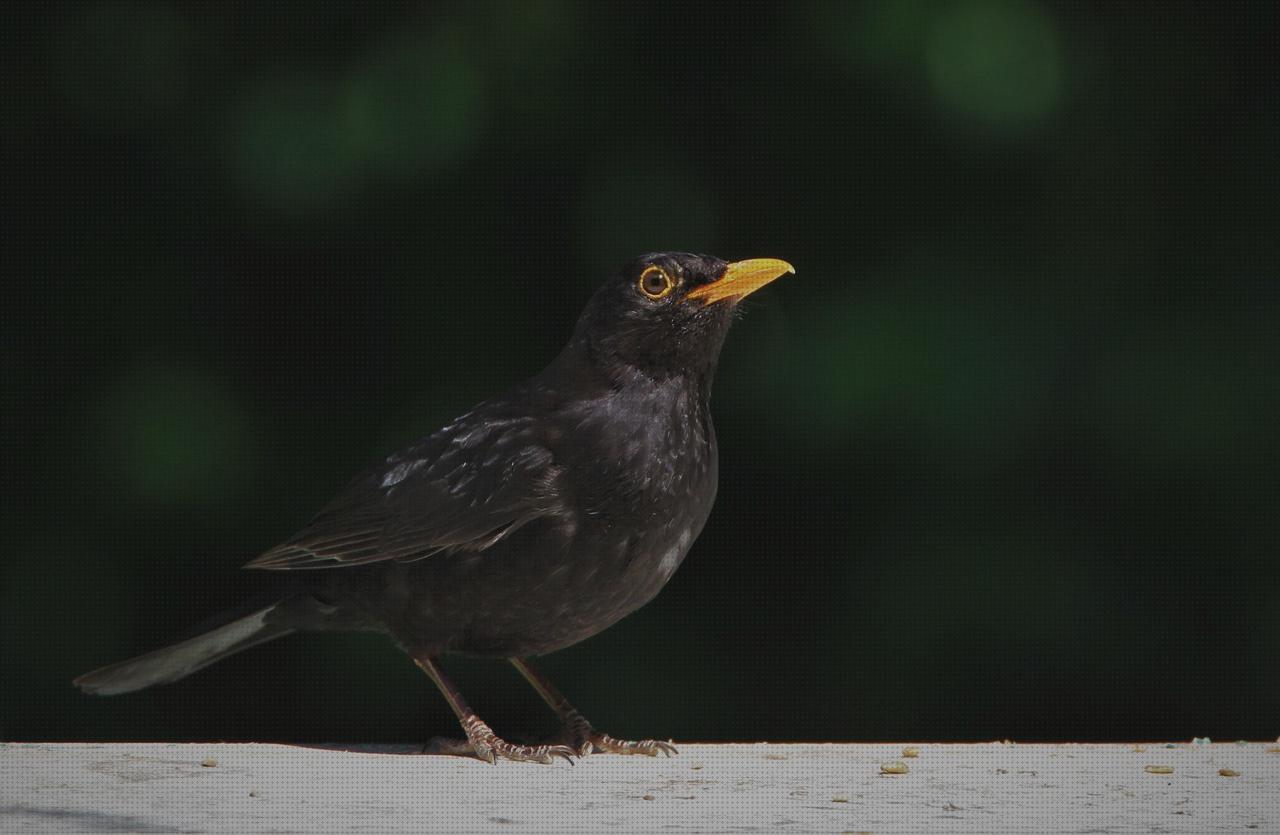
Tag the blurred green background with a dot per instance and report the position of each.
(1001, 460)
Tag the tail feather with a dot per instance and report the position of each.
(182, 659)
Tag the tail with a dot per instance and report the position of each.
(182, 659)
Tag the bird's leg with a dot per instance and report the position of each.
(483, 741)
(583, 737)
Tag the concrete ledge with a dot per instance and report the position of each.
(158, 787)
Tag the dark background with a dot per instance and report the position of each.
(1001, 460)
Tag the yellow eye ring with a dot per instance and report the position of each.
(655, 283)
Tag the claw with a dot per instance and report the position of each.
(561, 751)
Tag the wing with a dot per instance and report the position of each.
(464, 488)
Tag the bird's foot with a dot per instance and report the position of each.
(584, 739)
(649, 747)
(490, 747)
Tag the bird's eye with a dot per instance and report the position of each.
(655, 283)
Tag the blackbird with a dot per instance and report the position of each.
(535, 520)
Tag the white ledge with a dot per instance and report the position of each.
(994, 787)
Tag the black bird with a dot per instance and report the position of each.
(535, 520)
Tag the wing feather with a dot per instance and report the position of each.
(465, 488)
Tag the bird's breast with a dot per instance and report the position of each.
(636, 455)
(647, 493)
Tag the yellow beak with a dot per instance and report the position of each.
(741, 278)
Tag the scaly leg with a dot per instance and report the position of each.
(483, 741)
(583, 737)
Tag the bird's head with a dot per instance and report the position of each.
(667, 313)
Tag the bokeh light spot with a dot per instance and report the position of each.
(998, 61)
(177, 436)
(304, 140)
(528, 48)
(288, 150)
(956, 377)
(413, 105)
